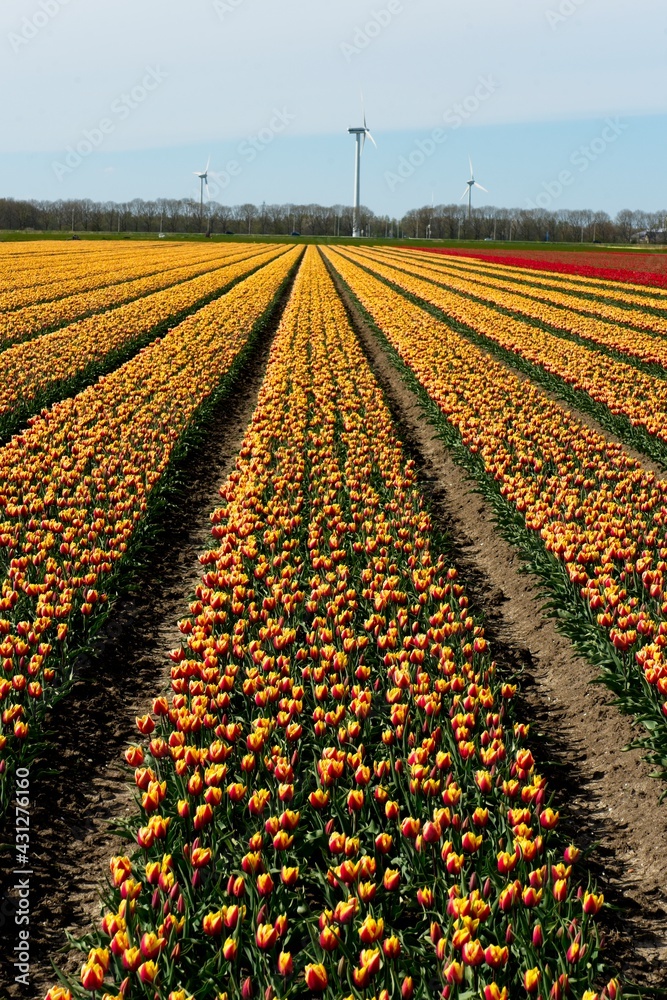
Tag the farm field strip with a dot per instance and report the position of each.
(31, 321)
(336, 798)
(71, 262)
(592, 292)
(76, 484)
(651, 349)
(598, 299)
(592, 521)
(128, 266)
(19, 272)
(650, 271)
(623, 390)
(39, 371)
(601, 288)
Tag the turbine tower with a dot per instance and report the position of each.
(360, 133)
(203, 179)
(468, 191)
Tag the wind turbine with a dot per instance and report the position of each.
(360, 133)
(203, 179)
(468, 191)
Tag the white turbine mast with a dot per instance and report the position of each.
(203, 180)
(469, 186)
(360, 134)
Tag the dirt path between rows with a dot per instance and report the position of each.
(87, 788)
(606, 796)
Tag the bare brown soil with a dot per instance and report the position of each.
(608, 800)
(87, 785)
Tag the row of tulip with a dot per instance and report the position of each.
(624, 390)
(593, 522)
(566, 317)
(75, 486)
(32, 320)
(21, 273)
(625, 268)
(41, 371)
(67, 278)
(335, 800)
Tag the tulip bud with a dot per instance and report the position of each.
(531, 980)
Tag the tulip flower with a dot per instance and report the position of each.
(392, 879)
(531, 980)
(454, 973)
(265, 884)
(495, 992)
(472, 952)
(289, 875)
(151, 944)
(285, 963)
(345, 911)
(266, 936)
(212, 924)
(391, 947)
(425, 897)
(317, 979)
(230, 949)
(371, 930)
(592, 903)
(132, 959)
(496, 956)
(329, 939)
(92, 976)
(147, 972)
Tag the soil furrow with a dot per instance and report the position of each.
(610, 804)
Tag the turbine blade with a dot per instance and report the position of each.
(368, 133)
(363, 108)
(480, 187)
(363, 142)
(465, 194)
(208, 164)
(472, 172)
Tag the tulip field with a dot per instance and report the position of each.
(336, 789)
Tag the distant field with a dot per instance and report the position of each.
(545, 250)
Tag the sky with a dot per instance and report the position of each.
(559, 103)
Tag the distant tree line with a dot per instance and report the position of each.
(444, 222)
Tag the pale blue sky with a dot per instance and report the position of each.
(534, 90)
